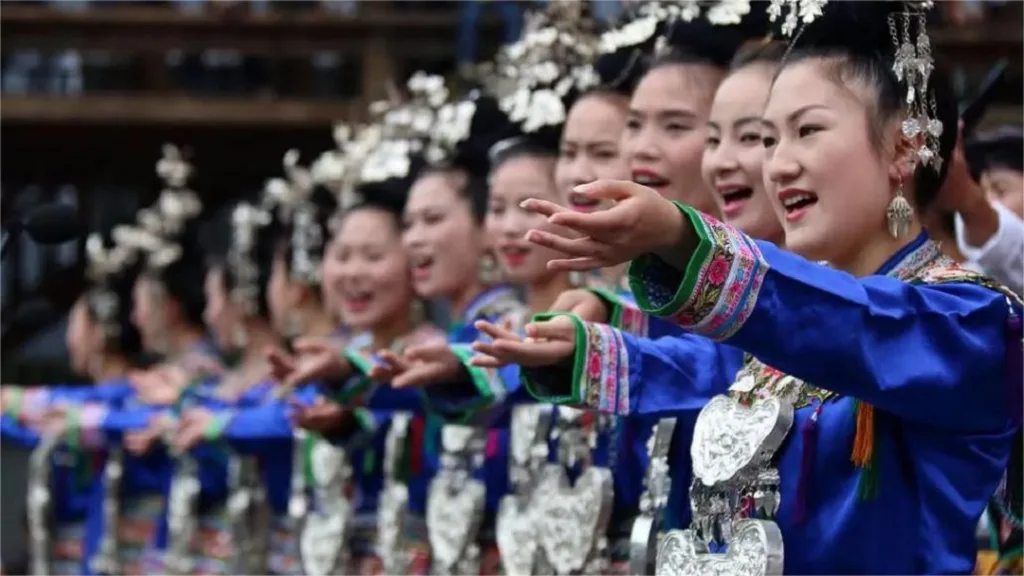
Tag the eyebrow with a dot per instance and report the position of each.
(737, 123)
(673, 113)
(793, 116)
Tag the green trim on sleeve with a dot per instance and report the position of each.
(576, 392)
(691, 276)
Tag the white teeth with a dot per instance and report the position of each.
(648, 180)
(794, 200)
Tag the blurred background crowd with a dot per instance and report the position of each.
(90, 90)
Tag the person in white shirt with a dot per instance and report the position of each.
(990, 234)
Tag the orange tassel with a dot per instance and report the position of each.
(864, 438)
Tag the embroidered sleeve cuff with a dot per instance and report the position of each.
(623, 313)
(716, 293)
(219, 423)
(460, 404)
(600, 372)
(359, 384)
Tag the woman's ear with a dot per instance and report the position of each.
(905, 159)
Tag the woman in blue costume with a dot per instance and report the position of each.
(920, 380)
(103, 344)
(294, 308)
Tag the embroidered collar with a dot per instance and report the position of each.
(914, 259)
(485, 303)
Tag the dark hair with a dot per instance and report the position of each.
(522, 146)
(852, 40)
(475, 189)
(765, 51)
(182, 280)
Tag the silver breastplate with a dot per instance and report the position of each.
(323, 529)
(456, 502)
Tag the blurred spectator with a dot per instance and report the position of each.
(996, 159)
(511, 13)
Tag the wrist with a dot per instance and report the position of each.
(678, 241)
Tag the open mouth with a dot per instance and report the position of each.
(421, 265)
(581, 203)
(796, 202)
(358, 301)
(514, 255)
(734, 197)
(649, 179)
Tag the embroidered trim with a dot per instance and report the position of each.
(603, 376)
(490, 390)
(720, 286)
(221, 420)
(623, 314)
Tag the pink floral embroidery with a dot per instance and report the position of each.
(606, 377)
(717, 270)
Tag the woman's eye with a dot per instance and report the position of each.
(711, 141)
(769, 141)
(809, 130)
(750, 138)
(632, 125)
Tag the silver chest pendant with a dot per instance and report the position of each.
(732, 451)
(248, 514)
(643, 538)
(181, 515)
(108, 559)
(393, 503)
(323, 530)
(573, 518)
(516, 523)
(40, 502)
(456, 501)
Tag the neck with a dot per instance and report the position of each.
(317, 324)
(111, 367)
(388, 331)
(870, 255)
(182, 340)
(543, 293)
(259, 338)
(460, 302)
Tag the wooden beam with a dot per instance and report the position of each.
(174, 110)
(144, 28)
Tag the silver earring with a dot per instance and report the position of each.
(489, 272)
(239, 337)
(899, 214)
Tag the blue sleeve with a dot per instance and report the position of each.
(116, 422)
(113, 392)
(480, 397)
(11, 430)
(623, 374)
(942, 351)
(626, 316)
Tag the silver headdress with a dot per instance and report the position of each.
(532, 77)
(246, 222)
(158, 227)
(404, 128)
(292, 198)
(644, 22)
(102, 265)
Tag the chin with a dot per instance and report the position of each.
(428, 289)
(807, 243)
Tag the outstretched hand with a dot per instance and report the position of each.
(322, 416)
(548, 343)
(314, 359)
(641, 221)
(583, 303)
(420, 366)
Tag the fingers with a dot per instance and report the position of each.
(542, 207)
(579, 264)
(425, 352)
(558, 328)
(420, 376)
(494, 331)
(309, 345)
(615, 190)
(533, 353)
(604, 224)
(485, 361)
(394, 362)
(579, 247)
